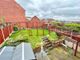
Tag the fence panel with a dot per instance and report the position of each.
(6, 32)
(10, 30)
(1, 37)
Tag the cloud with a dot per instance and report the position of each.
(64, 9)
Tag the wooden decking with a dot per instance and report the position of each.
(60, 53)
(42, 56)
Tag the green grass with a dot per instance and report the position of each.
(34, 39)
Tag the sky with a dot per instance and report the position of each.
(57, 9)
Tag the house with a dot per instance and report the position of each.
(34, 22)
(12, 12)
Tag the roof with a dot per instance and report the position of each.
(7, 53)
(21, 52)
(35, 19)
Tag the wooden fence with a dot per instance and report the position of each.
(5, 32)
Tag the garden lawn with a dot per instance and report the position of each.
(32, 36)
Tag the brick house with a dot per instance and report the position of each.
(12, 12)
(34, 22)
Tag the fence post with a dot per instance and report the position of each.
(8, 27)
(37, 28)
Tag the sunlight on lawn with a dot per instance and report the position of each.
(34, 39)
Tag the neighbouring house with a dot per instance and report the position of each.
(11, 11)
(34, 22)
